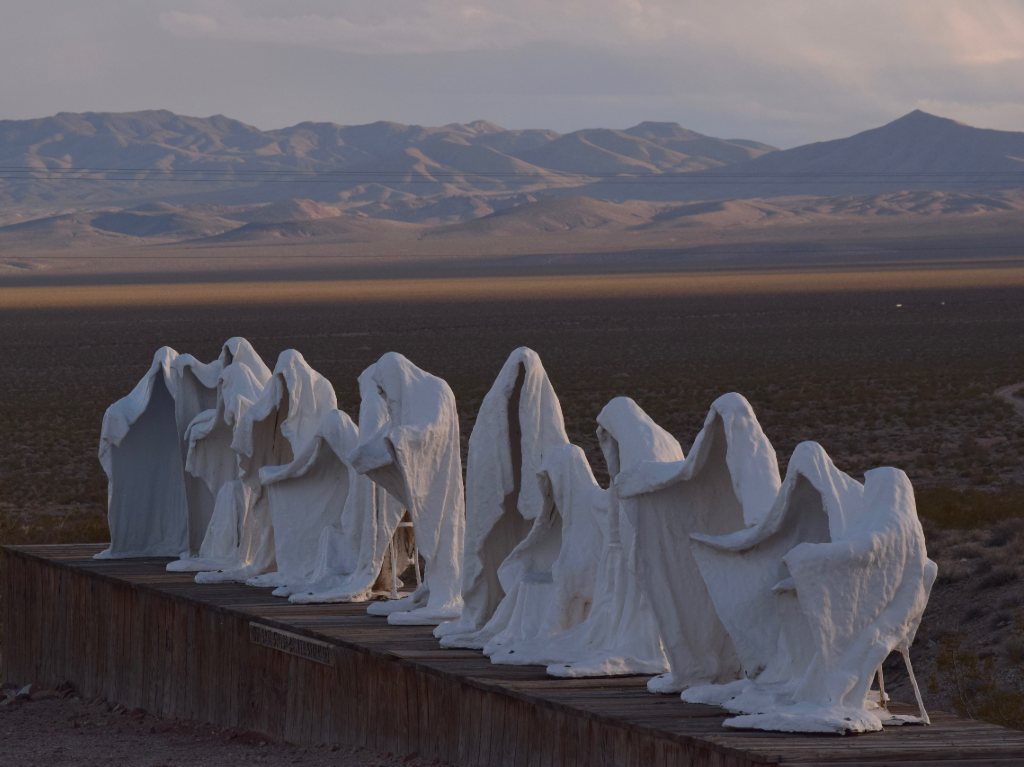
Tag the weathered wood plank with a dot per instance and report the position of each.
(132, 632)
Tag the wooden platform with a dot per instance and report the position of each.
(238, 657)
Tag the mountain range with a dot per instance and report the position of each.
(154, 176)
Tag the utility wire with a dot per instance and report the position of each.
(22, 172)
(396, 180)
(401, 171)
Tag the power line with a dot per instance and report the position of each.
(33, 173)
(1015, 180)
(401, 171)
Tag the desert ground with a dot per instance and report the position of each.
(905, 366)
(56, 727)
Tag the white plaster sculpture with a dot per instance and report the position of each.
(549, 578)
(519, 423)
(199, 386)
(816, 596)
(271, 432)
(620, 633)
(409, 445)
(727, 482)
(140, 452)
(196, 392)
(333, 528)
(212, 461)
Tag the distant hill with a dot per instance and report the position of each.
(291, 210)
(336, 229)
(645, 148)
(917, 143)
(169, 157)
(160, 223)
(918, 151)
(565, 214)
(306, 221)
(155, 176)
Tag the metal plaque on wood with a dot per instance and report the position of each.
(293, 644)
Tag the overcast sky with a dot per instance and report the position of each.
(781, 71)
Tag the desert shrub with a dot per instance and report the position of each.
(71, 527)
(1001, 619)
(968, 551)
(1004, 533)
(1000, 576)
(1011, 602)
(965, 509)
(974, 613)
(952, 573)
(1014, 650)
(974, 686)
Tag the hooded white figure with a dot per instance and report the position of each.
(816, 596)
(409, 445)
(199, 387)
(620, 634)
(332, 526)
(140, 452)
(211, 461)
(240, 539)
(519, 423)
(549, 578)
(727, 482)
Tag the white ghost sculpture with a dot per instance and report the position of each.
(333, 528)
(549, 577)
(140, 452)
(519, 423)
(409, 445)
(816, 596)
(727, 482)
(620, 633)
(270, 433)
(212, 461)
(199, 387)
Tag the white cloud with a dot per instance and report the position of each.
(987, 33)
(434, 26)
(779, 70)
(830, 33)
(190, 24)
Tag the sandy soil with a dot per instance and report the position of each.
(531, 288)
(862, 241)
(55, 728)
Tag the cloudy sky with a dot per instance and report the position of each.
(781, 71)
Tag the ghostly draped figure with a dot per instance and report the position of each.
(409, 445)
(519, 423)
(198, 387)
(140, 452)
(211, 460)
(816, 596)
(196, 393)
(549, 577)
(620, 633)
(270, 433)
(332, 526)
(727, 482)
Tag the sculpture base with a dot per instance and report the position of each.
(234, 656)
